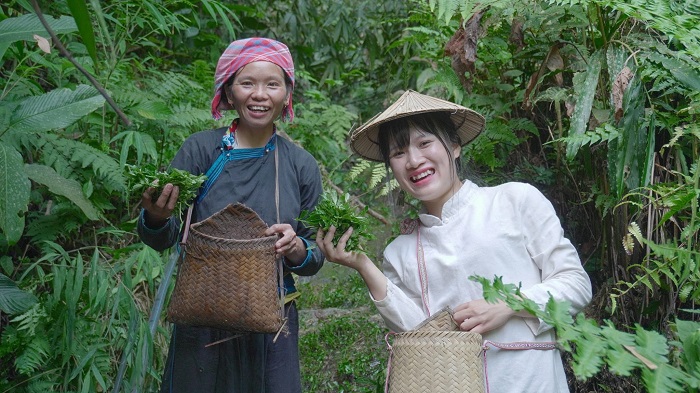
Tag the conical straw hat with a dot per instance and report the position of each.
(364, 141)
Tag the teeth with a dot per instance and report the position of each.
(258, 108)
(422, 175)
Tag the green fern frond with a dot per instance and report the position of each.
(64, 221)
(67, 155)
(11, 339)
(685, 292)
(379, 173)
(567, 3)
(634, 230)
(442, 83)
(359, 167)
(41, 386)
(173, 86)
(127, 97)
(603, 134)
(184, 115)
(30, 320)
(390, 186)
(34, 355)
(682, 132)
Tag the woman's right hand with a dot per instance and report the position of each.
(337, 253)
(159, 211)
(376, 280)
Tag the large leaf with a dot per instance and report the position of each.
(79, 10)
(684, 73)
(59, 185)
(24, 27)
(14, 193)
(585, 86)
(12, 299)
(56, 109)
(629, 153)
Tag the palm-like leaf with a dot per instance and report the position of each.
(26, 26)
(59, 185)
(12, 299)
(56, 109)
(14, 193)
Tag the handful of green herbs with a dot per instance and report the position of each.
(140, 178)
(334, 209)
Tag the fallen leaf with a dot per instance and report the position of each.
(43, 43)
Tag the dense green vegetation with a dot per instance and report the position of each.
(596, 102)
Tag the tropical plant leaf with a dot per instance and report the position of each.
(12, 299)
(627, 154)
(79, 10)
(24, 27)
(69, 157)
(59, 185)
(585, 86)
(141, 142)
(56, 109)
(14, 193)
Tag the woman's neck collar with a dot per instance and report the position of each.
(436, 208)
(247, 138)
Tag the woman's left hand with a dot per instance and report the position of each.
(289, 245)
(480, 316)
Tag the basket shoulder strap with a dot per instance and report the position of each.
(186, 229)
(422, 272)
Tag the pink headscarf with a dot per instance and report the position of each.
(241, 52)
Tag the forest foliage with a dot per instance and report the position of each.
(596, 102)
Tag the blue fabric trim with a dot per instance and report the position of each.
(213, 173)
(146, 228)
(229, 154)
(306, 260)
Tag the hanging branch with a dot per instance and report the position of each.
(68, 56)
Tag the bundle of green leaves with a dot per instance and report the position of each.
(142, 177)
(336, 210)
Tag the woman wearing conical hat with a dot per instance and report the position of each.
(510, 231)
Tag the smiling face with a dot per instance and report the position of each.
(423, 164)
(258, 93)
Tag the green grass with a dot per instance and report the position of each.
(342, 336)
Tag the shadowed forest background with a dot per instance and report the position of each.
(594, 102)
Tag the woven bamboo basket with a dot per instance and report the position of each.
(437, 358)
(229, 278)
(441, 320)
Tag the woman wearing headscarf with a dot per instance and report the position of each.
(509, 230)
(254, 77)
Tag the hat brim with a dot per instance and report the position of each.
(364, 139)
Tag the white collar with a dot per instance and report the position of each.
(451, 206)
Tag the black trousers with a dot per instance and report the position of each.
(250, 363)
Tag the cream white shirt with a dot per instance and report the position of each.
(511, 231)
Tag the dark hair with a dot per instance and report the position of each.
(436, 123)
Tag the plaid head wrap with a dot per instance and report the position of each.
(241, 52)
